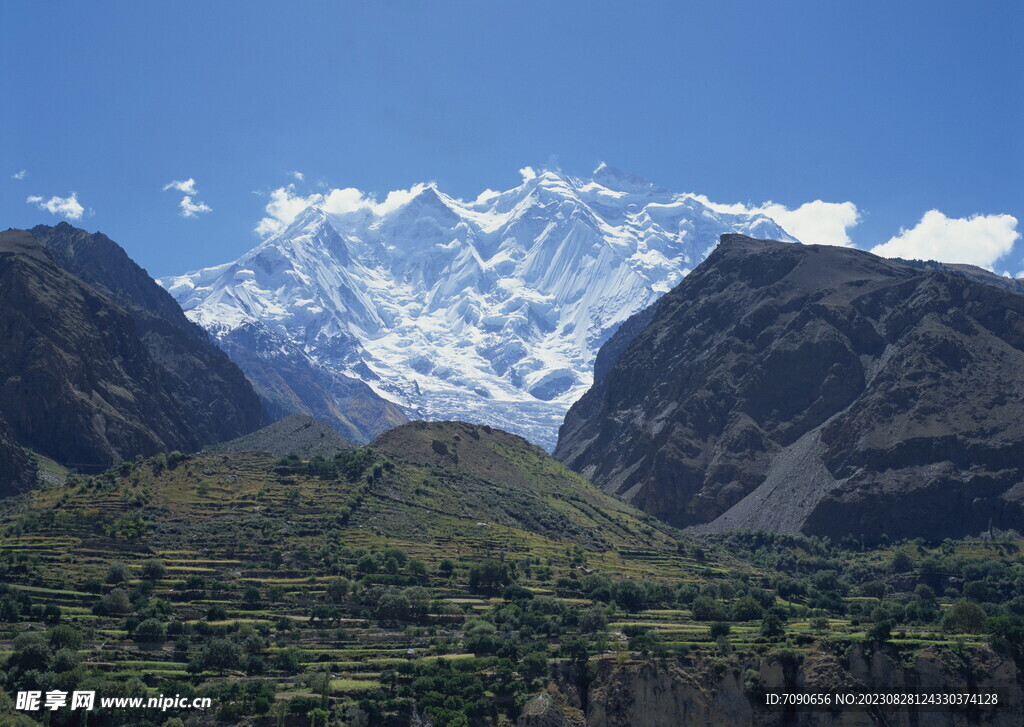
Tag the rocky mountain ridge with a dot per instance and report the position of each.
(490, 310)
(91, 376)
(813, 389)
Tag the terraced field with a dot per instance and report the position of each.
(371, 587)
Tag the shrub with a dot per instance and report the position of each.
(153, 569)
(772, 627)
(337, 590)
(491, 574)
(150, 631)
(118, 572)
(718, 629)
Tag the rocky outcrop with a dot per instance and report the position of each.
(550, 710)
(17, 470)
(200, 377)
(812, 389)
(82, 384)
(297, 434)
(708, 692)
(289, 382)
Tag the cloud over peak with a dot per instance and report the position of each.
(286, 203)
(814, 223)
(68, 207)
(976, 240)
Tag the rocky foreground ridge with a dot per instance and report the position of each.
(710, 692)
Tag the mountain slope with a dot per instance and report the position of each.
(490, 310)
(817, 390)
(491, 477)
(201, 377)
(17, 472)
(289, 381)
(79, 383)
(296, 434)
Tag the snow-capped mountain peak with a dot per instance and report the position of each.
(490, 310)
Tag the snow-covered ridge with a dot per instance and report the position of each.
(490, 311)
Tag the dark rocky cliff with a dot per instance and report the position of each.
(17, 471)
(202, 379)
(90, 381)
(814, 389)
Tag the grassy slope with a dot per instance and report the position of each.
(239, 520)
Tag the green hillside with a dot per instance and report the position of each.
(448, 569)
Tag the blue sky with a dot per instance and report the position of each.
(899, 108)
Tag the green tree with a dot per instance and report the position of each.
(337, 590)
(747, 609)
(629, 595)
(392, 606)
(772, 627)
(534, 665)
(64, 637)
(901, 562)
(221, 655)
(719, 628)
(491, 574)
(964, 617)
(116, 602)
(153, 569)
(251, 597)
(576, 650)
(150, 631)
(881, 631)
(118, 572)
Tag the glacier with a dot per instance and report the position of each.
(489, 311)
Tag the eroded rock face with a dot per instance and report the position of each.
(199, 377)
(709, 693)
(550, 710)
(90, 382)
(17, 471)
(666, 695)
(821, 390)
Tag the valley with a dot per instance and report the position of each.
(768, 463)
(457, 574)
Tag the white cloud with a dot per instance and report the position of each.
(977, 240)
(528, 173)
(343, 201)
(68, 207)
(20, 174)
(191, 209)
(190, 206)
(187, 186)
(396, 198)
(283, 207)
(299, 176)
(285, 204)
(815, 223)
